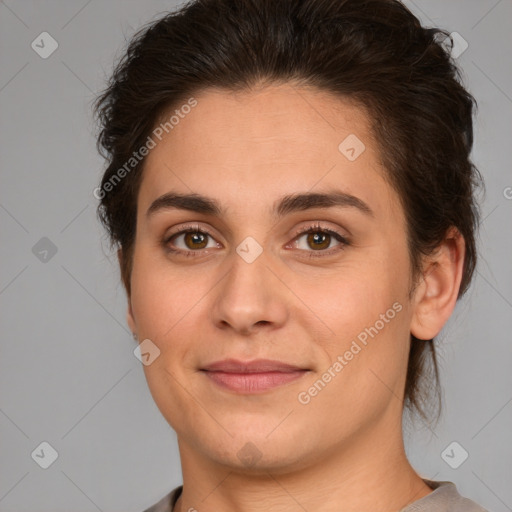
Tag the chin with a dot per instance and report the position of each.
(253, 450)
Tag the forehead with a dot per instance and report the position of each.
(272, 121)
(256, 145)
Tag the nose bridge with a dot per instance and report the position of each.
(250, 294)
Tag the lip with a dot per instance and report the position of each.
(252, 376)
(256, 366)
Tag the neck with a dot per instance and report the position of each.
(368, 472)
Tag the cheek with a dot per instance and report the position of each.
(352, 299)
(364, 373)
(160, 298)
(366, 310)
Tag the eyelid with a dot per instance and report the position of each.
(182, 229)
(317, 226)
(188, 227)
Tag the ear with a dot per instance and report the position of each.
(436, 294)
(129, 314)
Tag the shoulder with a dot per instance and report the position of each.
(444, 498)
(166, 504)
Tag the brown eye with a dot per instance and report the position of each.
(189, 241)
(196, 240)
(319, 240)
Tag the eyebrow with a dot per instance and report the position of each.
(283, 206)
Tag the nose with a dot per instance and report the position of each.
(250, 297)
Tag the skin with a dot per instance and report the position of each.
(247, 150)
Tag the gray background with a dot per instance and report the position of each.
(68, 375)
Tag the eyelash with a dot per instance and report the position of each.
(317, 228)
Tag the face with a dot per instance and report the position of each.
(329, 308)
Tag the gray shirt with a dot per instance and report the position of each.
(444, 498)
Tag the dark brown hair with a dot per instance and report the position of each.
(373, 52)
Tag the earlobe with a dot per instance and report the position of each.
(129, 314)
(436, 294)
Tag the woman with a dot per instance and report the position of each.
(290, 191)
